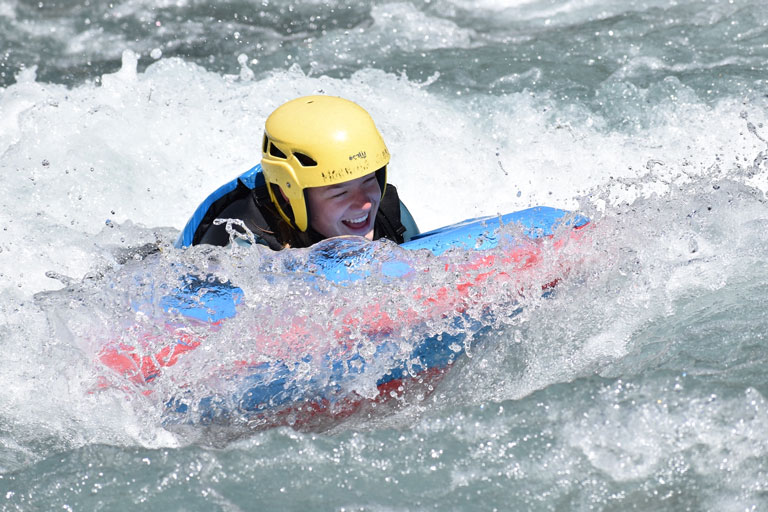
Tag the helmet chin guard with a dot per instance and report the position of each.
(316, 141)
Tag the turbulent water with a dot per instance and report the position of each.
(639, 384)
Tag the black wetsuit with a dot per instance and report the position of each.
(259, 215)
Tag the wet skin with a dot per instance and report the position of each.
(345, 209)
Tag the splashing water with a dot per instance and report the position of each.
(637, 383)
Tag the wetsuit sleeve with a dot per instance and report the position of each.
(406, 219)
(243, 209)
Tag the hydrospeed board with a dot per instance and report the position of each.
(280, 385)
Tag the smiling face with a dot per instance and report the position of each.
(345, 209)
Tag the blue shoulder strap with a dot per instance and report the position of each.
(251, 178)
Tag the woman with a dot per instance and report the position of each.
(323, 174)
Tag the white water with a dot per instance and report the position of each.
(640, 383)
(100, 168)
(144, 148)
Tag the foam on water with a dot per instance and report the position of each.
(638, 383)
(141, 146)
(103, 166)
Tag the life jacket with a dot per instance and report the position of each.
(246, 198)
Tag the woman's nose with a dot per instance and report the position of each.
(362, 200)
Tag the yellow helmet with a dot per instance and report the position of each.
(316, 141)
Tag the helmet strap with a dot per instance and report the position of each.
(282, 203)
(309, 213)
(381, 177)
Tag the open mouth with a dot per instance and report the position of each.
(357, 223)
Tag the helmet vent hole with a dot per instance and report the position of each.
(274, 151)
(264, 144)
(305, 160)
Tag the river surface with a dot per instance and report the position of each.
(640, 383)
